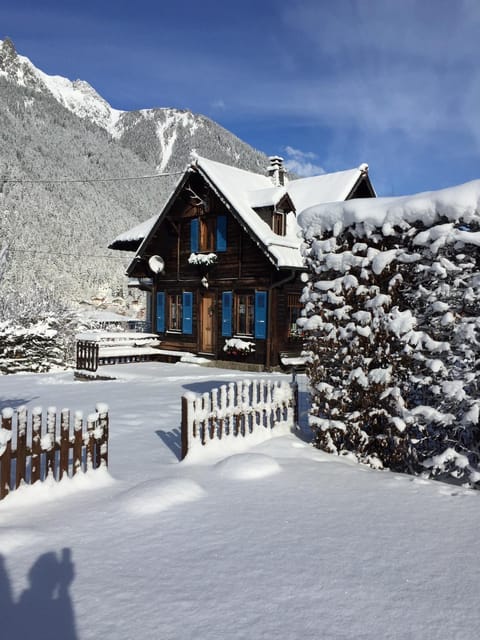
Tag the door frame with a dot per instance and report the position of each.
(207, 297)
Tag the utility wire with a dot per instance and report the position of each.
(58, 253)
(85, 180)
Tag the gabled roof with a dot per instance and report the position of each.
(243, 192)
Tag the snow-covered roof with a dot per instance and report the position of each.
(244, 191)
(461, 202)
(266, 197)
(328, 187)
(136, 233)
(236, 186)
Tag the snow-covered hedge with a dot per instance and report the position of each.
(37, 331)
(37, 348)
(392, 319)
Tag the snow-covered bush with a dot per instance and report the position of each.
(391, 317)
(36, 332)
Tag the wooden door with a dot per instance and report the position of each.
(207, 322)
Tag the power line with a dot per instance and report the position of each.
(86, 180)
(57, 253)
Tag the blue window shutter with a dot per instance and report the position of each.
(187, 316)
(260, 314)
(160, 324)
(227, 314)
(221, 233)
(194, 235)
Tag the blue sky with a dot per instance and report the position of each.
(328, 84)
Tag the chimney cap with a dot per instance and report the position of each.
(276, 171)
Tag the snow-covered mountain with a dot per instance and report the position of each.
(54, 128)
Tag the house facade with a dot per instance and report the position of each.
(221, 263)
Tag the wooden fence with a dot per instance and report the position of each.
(87, 355)
(253, 409)
(38, 446)
(96, 348)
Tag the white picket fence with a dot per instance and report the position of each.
(248, 409)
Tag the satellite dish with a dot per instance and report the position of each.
(156, 264)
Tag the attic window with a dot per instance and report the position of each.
(208, 234)
(279, 223)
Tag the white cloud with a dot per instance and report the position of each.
(301, 162)
(387, 66)
(219, 105)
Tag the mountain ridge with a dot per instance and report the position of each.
(52, 129)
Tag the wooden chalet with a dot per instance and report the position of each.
(221, 263)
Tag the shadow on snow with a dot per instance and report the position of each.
(44, 609)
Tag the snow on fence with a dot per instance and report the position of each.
(254, 410)
(50, 445)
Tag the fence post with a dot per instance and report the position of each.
(64, 442)
(294, 385)
(6, 457)
(36, 446)
(51, 423)
(77, 463)
(102, 410)
(90, 440)
(20, 468)
(184, 426)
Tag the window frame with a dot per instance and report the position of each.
(208, 233)
(294, 310)
(174, 312)
(248, 300)
(279, 224)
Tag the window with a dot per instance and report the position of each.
(243, 314)
(208, 234)
(174, 312)
(294, 307)
(206, 238)
(278, 223)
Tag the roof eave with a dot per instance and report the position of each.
(144, 243)
(237, 216)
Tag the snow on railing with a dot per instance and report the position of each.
(94, 348)
(255, 410)
(50, 445)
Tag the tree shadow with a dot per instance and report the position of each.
(304, 431)
(14, 403)
(45, 607)
(206, 385)
(173, 440)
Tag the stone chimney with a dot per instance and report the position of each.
(276, 171)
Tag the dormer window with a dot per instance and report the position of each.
(279, 223)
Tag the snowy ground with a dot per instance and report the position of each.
(281, 541)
